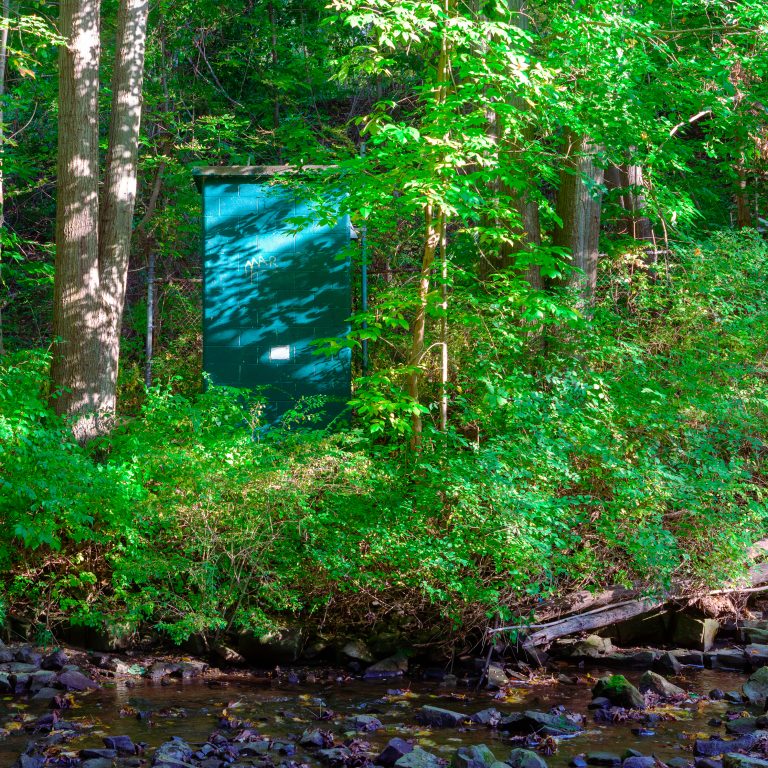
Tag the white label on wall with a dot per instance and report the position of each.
(280, 353)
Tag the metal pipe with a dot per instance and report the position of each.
(150, 318)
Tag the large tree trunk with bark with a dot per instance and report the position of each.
(78, 319)
(91, 250)
(119, 196)
(3, 61)
(579, 203)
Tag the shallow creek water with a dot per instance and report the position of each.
(192, 709)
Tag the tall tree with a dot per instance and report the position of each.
(6, 11)
(92, 250)
(579, 204)
(119, 196)
(78, 319)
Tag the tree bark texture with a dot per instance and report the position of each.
(6, 6)
(93, 240)
(579, 203)
(119, 195)
(78, 319)
(640, 224)
(419, 324)
(743, 212)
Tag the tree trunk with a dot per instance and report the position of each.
(640, 225)
(3, 60)
(743, 212)
(418, 327)
(579, 203)
(528, 210)
(434, 232)
(627, 181)
(92, 251)
(78, 320)
(119, 196)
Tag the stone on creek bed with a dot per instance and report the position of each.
(364, 723)
(668, 664)
(541, 723)
(335, 756)
(55, 661)
(314, 737)
(707, 762)
(419, 758)
(728, 659)
(436, 717)
(46, 694)
(756, 688)
(100, 762)
(742, 725)
(392, 666)
(655, 683)
(639, 761)
(688, 657)
(30, 761)
(170, 754)
(121, 744)
(619, 691)
(603, 758)
(42, 679)
(735, 760)
(475, 756)
(757, 655)
(74, 680)
(160, 670)
(395, 749)
(713, 747)
(525, 758)
(28, 656)
(490, 717)
(18, 668)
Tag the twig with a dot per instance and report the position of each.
(691, 120)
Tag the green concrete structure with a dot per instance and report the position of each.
(269, 291)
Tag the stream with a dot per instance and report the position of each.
(153, 713)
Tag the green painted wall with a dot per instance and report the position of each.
(268, 293)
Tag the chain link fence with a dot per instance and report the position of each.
(174, 328)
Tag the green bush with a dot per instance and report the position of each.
(632, 452)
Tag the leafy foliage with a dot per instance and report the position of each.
(637, 456)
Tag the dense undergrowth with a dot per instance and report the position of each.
(632, 449)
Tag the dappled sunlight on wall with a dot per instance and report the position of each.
(270, 291)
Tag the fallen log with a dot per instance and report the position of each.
(586, 612)
(592, 620)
